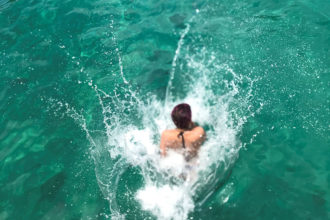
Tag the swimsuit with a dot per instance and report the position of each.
(186, 153)
(181, 134)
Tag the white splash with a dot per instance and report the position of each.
(166, 202)
(132, 128)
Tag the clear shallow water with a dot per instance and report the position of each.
(86, 87)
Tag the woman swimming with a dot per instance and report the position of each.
(186, 138)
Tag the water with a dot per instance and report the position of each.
(87, 87)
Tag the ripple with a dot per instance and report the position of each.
(5, 4)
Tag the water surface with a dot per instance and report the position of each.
(87, 86)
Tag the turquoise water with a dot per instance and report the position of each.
(87, 86)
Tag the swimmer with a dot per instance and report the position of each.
(186, 138)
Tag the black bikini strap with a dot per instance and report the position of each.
(181, 134)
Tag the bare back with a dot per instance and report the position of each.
(193, 139)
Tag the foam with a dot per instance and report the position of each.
(166, 202)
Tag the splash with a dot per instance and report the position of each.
(176, 55)
(129, 144)
(166, 202)
(217, 105)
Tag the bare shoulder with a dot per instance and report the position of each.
(199, 130)
(167, 133)
(198, 133)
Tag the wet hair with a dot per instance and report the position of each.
(181, 116)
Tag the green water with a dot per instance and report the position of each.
(63, 64)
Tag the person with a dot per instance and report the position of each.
(186, 138)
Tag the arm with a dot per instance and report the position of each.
(199, 134)
(163, 145)
(198, 137)
(202, 135)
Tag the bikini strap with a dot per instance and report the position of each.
(181, 134)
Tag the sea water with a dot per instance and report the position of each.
(87, 88)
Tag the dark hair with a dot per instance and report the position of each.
(181, 116)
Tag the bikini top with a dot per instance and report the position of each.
(186, 154)
(181, 134)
